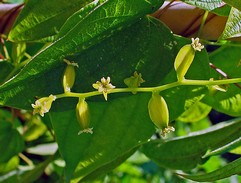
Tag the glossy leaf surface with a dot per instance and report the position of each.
(41, 19)
(76, 41)
(233, 25)
(205, 4)
(184, 153)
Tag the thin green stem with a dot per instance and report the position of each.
(221, 43)
(202, 23)
(152, 89)
(210, 82)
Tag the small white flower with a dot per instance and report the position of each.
(43, 105)
(103, 86)
(167, 130)
(196, 45)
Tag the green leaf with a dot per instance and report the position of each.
(6, 68)
(139, 51)
(12, 164)
(129, 49)
(76, 41)
(34, 129)
(42, 19)
(233, 25)
(195, 113)
(11, 142)
(78, 16)
(226, 102)
(225, 148)
(221, 173)
(234, 3)
(109, 166)
(117, 130)
(184, 153)
(205, 4)
(222, 11)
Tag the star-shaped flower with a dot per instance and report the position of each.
(103, 86)
(167, 130)
(196, 45)
(43, 105)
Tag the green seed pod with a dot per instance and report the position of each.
(69, 77)
(183, 61)
(158, 111)
(83, 117)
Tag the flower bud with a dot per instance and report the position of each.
(158, 111)
(82, 113)
(69, 76)
(183, 61)
(134, 81)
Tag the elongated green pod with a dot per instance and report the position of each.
(68, 78)
(183, 61)
(83, 116)
(158, 111)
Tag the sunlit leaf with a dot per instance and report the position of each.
(82, 37)
(195, 113)
(12, 164)
(205, 4)
(41, 19)
(233, 25)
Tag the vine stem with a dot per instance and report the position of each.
(185, 82)
(202, 23)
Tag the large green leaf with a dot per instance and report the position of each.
(108, 17)
(226, 58)
(233, 25)
(205, 4)
(224, 172)
(119, 126)
(139, 51)
(41, 19)
(234, 3)
(184, 153)
(11, 142)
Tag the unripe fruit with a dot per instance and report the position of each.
(183, 61)
(158, 111)
(69, 77)
(83, 116)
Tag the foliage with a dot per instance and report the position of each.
(70, 61)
